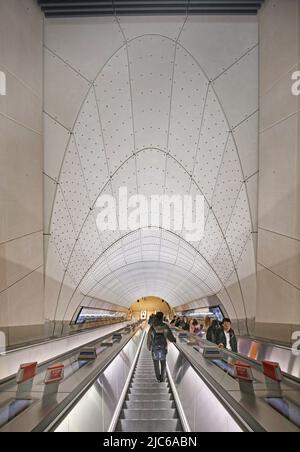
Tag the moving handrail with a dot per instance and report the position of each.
(64, 355)
(256, 364)
(51, 422)
(244, 407)
(231, 406)
(45, 410)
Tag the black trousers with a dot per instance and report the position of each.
(160, 369)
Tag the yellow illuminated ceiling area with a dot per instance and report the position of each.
(150, 305)
(156, 113)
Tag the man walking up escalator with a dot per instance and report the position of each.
(157, 342)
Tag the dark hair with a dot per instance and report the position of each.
(195, 322)
(226, 320)
(160, 316)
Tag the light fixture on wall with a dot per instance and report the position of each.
(2, 83)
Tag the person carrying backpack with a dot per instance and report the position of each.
(157, 343)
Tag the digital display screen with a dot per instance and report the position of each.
(215, 312)
(92, 315)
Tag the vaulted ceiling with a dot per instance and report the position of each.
(163, 107)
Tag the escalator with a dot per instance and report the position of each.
(149, 406)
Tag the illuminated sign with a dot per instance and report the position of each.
(26, 372)
(55, 374)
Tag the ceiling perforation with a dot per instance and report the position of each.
(154, 123)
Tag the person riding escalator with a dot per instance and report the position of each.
(157, 343)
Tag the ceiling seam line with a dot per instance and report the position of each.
(252, 175)
(21, 237)
(56, 121)
(21, 279)
(20, 124)
(49, 177)
(280, 234)
(67, 64)
(244, 55)
(243, 174)
(249, 116)
(279, 276)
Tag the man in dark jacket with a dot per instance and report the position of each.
(226, 337)
(212, 332)
(157, 343)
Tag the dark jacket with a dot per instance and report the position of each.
(221, 339)
(159, 328)
(212, 334)
(184, 326)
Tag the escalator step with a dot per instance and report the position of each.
(149, 414)
(161, 425)
(149, 390)
(149, 396)
(149, 405)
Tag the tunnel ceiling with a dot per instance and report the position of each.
(154, 119)
(68, 8)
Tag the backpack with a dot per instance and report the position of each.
(159, 347)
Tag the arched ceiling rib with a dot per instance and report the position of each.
(152, 121)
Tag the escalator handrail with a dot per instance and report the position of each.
(56, 416)
(239, 414)
(289, 379)
(64, 356)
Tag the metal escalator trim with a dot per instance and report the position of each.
(179, 407)
(63, 356)
(239, 414)
(121, 402)
(288, 378)
(53, 420)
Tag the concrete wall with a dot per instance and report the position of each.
(21, 162)
(278, 303)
